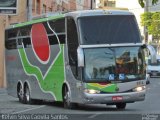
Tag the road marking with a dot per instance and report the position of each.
(94, 115)
(29, 109)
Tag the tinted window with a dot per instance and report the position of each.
(72, 39)
(11, 44)
(12, 33)
(109, 29)
(25, 31)
(15, 37)
(58, 26)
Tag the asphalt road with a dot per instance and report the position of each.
(146, 110)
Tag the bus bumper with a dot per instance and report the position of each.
(113, 98)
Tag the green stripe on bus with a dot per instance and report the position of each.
(108, 88)
(53, 80)
(38, 21)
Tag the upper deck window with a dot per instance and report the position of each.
(110, 29)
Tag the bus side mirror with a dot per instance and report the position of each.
(80, 56)
(152, 53)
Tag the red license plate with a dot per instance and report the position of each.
(117, 98)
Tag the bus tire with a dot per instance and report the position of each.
(27, 97)
(20, 92)
(66, 99)
(121, 106)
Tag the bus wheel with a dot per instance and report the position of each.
(121, 105)
(66, 99)
(27, 98)
(20, 93)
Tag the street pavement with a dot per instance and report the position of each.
(146, 110)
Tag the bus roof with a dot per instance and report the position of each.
(86, 13)
(36, 21)
(75, 15)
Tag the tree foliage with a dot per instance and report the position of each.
(142, 3)
(152, 22)
(146, 19)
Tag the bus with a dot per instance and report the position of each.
(80, 57)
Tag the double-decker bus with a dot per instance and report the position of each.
(89, 57)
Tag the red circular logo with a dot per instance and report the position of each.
(40, 42)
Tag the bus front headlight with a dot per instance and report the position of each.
(139, 89)
(91, 91)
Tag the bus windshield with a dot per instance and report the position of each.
(114, 63)
(109, 29)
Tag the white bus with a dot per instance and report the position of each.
(89, 57)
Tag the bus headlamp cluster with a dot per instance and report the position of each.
(91, 91)
(140, 88)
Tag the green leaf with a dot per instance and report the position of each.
(141, 3)
(154, 2)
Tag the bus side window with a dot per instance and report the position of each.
(59, 28)
(10, 36)
(27, 42)
(72, 41)
(12, 33)
(11, 44)
(53, 39)
(23, 36)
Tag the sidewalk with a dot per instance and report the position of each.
(3, 91)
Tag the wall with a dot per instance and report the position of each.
(2, 26)
(49, 4)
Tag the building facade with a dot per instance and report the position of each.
(106, 4)
(72, 5)
(42, 6)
